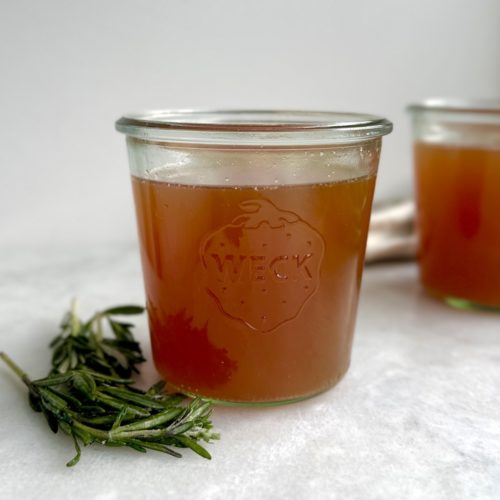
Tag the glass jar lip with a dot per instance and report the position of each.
(255, 127)
(456, 105)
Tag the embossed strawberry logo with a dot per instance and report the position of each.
(263, 266)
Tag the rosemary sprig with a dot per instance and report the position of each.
(88, 393)
(84, 344)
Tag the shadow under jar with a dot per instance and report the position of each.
(252, 228)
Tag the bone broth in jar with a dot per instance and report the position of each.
(252, 228)
(457, 174)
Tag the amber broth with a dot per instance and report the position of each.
(252, 291)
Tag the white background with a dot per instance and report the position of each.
(68, 69)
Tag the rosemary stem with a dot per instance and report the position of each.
(15, 368)
(96, 433)
(121, 433)
(144, 433)
(75, 326)
(118, 435)
(99, 329)
(148, 423)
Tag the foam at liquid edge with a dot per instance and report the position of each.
(262, 175)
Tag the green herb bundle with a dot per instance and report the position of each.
(89, 395)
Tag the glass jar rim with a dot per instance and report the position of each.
(253, 127)
(455, 105)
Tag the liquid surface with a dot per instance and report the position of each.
(458, 196)
(252, 291)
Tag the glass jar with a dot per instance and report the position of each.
(457, 172)
(252, 228)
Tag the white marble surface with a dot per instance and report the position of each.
(417, 416)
